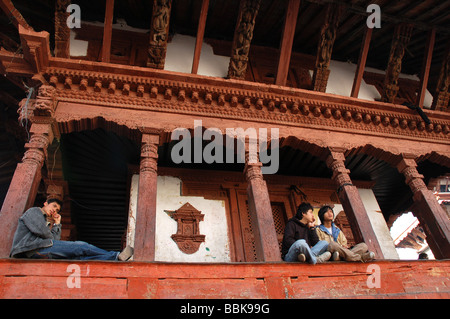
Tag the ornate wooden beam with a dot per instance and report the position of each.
(243, 35)
(14, 15)
(400, 40)
(325, 47)
(36, 48)
(159, 33)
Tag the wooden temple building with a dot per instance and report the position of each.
(94, 98)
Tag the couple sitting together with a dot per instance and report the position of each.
(305, 242)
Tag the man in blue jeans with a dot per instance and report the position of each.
(38, 236)
(300, 240)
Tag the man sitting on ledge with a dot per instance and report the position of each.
(38, 236)
(300, 241)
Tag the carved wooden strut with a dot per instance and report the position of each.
(242, 37)
(159, 33)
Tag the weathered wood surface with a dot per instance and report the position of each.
(49, 279)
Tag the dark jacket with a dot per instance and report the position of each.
(33, 233)
(294, 231)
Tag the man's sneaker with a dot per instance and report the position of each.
(324, 257)
(335, 256)
(368, 256)
(301, 258)
(126, 253)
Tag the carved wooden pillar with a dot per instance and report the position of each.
(144, 242)
(243, 35)
(24, 184)
(159, 33)
(62, 31)
(399, 42)
(352, 203)
(325, 47)
(27, 176)
(441, 96)
(260, 210)
(430, 214)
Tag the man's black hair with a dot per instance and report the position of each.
(51, 200)
(303, 209)
(322, 212)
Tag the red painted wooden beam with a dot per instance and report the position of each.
(361, 63)
(286, 42)
(200, 34)
(107, 32)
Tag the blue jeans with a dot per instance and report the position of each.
(78, 250)
(301, 247)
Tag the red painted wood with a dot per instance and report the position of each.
(144, 242)
(286, 41)
(398, 279)
(425, 72)
(24, 185)
(200, 34)
(107, 33)
(361, 63)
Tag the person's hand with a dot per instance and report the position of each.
(312, 224)
(57, 218)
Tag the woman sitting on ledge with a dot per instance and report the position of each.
(38, 236)
(337, 241)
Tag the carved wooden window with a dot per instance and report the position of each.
(188, 237)
(279, 218)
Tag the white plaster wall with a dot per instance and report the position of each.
(180, 54)
(77, 47)
(214, 225)
(340, 82)
(378, 223)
